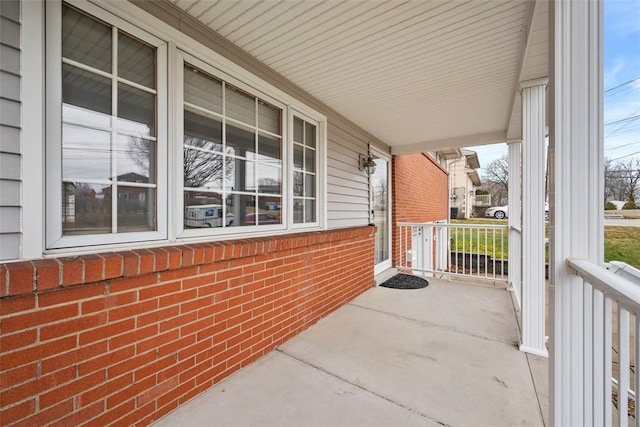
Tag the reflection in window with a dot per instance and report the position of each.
(232, 163)
(102, 155)
(304, 176)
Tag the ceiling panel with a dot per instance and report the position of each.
(406, 71)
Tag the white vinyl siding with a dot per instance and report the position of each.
(347, 186)
(10, 117)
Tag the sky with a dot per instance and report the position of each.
(621, 85)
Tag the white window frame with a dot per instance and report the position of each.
(54, 234)
(182, 232)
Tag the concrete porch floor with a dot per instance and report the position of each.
(443, 355)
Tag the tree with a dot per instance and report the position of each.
(622, 179)
(496, 180)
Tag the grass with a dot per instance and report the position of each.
(620, 243)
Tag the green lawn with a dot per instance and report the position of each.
(620, 243)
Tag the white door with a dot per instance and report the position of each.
(381, 213)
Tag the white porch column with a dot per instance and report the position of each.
(577, 182)
(533, 172)
(515, 220)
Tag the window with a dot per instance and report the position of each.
(305, 159)
(242, 156)
(232, 153)
(105, 139)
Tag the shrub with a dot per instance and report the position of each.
(630, 205)
(609, 206)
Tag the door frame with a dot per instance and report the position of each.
(384, 265)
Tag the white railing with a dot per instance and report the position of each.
(515, 268)
(611, 352)
(459, 250)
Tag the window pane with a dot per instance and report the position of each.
(298, 184)
(241, 175)
(86, 153)
(135, 159)
(137, 110)
(310, 185)
(136, 61)
(269, 146)
(240, 106)
(298, 130)
(309, 135)
(239, 206)
(263, 218)
(209, 215)
(271, 205)
(240, 140)
(270, 179)
(202, 90)
(268, 117)
(85, 40)
(136, 209)
(203, 132)
(298, 211)
(298, 157)
(309, 160)
(88, 91)
(86, 208)
(310, 210)
(203, 169)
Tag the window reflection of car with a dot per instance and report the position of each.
(206, 216)
(263, 218)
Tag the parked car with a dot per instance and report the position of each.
(502, 212)
(263, 218)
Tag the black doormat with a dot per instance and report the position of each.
(405, 281)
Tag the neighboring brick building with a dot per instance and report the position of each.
(420, 193)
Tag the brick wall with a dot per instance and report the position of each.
(420, 193)
(123, 338)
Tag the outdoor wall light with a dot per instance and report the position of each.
(366, 163)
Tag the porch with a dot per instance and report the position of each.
(443, 355)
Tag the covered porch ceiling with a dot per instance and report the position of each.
(419, 75)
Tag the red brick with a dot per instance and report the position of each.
(73, 326)
(159, 290)
(31, 354)
(175, 346)
(132, 337)
(131, 263)
(72, 389)
(11, 377)
(16, 304)
(46, 417)
(107, 302)
(21, 277)
(81, 415)
(157, 316)
(162, 258)
(182, 273)
(177, 298)
(4, 274)
(70, 295)
(18, 412)
(112, 414)
(105, 359)
(129, 283)
(129, 393)
(132, 310)
(73, 357)
(93, 268)
(72, 271)
(113, 265)
(147, 261)
(154, 367)
(175, 258)
(47, 274)
(37, 318)
(23, 338)
(187, 255)
(107, 331)
(129, 365)
(157, 341)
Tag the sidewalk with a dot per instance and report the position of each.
(443, 355)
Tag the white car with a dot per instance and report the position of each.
(502, 212)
